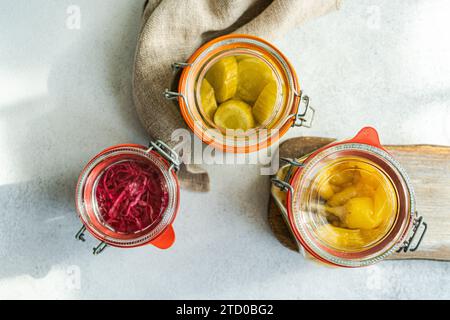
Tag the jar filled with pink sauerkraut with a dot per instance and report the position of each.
(128, 196)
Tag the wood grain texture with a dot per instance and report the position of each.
(429, 169)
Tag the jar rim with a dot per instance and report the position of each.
(85, 187)
(217, 139)
(387, 246)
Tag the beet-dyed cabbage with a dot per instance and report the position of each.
(131, 196)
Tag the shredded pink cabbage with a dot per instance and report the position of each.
(131, 196)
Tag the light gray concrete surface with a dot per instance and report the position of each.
(65, 94)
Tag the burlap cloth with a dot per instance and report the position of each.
(173, 29)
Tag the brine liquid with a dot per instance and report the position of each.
(357, 204)
(131, 196)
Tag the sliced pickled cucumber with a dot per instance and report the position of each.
(266, 103)
(253, 76)
(234, 114)
(208, 99)
(223, 77)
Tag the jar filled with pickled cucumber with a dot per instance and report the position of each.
(240, 94)
(348, 204)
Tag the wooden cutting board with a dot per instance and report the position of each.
(429, 169)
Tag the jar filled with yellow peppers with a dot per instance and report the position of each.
(349, 203)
